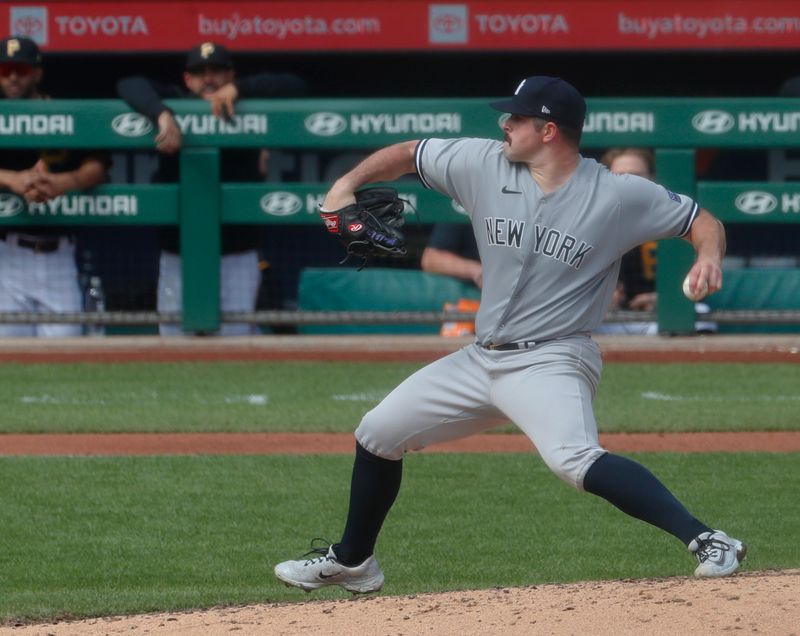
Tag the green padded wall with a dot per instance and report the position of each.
(377, 289)
(756, 288)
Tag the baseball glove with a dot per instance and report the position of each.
(370, 226)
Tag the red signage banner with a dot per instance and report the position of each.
(410, 25)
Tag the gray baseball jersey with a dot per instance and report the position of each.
(558, 254)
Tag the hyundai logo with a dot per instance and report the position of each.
(325, 124)
(131, 125)
(281, 203)
(713, 122)
(10, 204)
(756, 202)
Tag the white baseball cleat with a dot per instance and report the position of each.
(717, 553)
(316, 572)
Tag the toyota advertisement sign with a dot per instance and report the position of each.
(407, 25)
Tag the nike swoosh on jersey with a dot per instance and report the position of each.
(505, 190)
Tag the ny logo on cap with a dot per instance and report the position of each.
(206, 50)
(12, 46)
(521, 84)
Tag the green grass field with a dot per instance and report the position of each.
(95, 536)
(100, 536)
(332, 396)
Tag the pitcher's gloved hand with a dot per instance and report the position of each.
(370, 226)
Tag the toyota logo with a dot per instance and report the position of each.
(713, 122)
(448, 23)
(10, 205)
(28, 25)
(325, 124)
(131, 125)
(281, 203)
(756, 202)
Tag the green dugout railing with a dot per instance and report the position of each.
(199, 202)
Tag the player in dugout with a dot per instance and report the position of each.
(38, 271)
(210, 75)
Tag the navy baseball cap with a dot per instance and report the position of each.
(208, 54)
(20, 50)
(549, 98)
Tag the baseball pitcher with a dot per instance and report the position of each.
(551, 227)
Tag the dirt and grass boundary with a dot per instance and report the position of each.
(376, 348)
(762, 602)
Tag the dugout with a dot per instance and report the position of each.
(200, 202)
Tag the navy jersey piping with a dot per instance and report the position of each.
(690, 220)
(418, 162)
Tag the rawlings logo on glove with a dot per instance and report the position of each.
(370, 226)
(331, 222)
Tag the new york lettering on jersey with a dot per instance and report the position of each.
(504, 232)
(559, 245)
(563, 246)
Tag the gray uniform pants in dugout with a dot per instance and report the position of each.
(547, 391)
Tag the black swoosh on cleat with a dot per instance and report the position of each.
(505, 190)
(325, 576)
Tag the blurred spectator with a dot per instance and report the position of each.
(37, 263)
(637, 275)
(636, 287)
(452, 251)
(209, 75)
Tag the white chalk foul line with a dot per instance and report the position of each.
(255, 399)
(665, 397)
(369, 396)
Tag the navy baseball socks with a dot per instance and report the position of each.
(376, 481)
(373, 489)
(350, 563)
(637, 492)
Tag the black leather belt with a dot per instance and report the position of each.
(43, 245)
(513, 346)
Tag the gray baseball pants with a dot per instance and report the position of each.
(547, 391)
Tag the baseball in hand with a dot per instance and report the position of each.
(690, 294)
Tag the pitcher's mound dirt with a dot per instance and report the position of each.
(756, 602)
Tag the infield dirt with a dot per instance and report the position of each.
(749, 602)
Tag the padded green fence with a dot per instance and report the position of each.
(674, 126)
(758, 289)
(377, 289)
